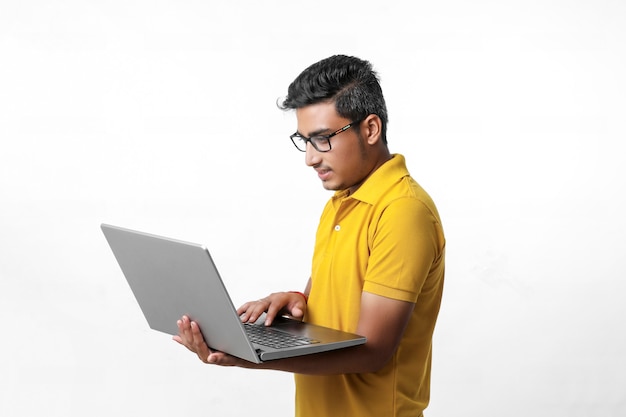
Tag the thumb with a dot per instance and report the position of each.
(297, 312)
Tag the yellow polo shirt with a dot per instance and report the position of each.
(385, 239)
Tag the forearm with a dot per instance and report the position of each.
(382, 322)
(358, 359)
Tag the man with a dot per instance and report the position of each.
(378, 262)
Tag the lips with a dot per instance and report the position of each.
(323, 174)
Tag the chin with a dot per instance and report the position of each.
(329, 187)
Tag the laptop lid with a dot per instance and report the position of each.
(171, 278)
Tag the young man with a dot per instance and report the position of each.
(378, 262)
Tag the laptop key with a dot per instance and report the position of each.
(268, 336)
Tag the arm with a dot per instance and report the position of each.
(382, 322)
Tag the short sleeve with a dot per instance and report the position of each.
(405, 242)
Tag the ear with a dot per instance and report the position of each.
(371, 129)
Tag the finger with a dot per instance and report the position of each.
(222, 359)
(297, 308)
(244, 311)
(254, 310)
(186, 333)
(273, 310)
(241, 310)
(183, 336)
(197, 338)
(182, 330)
(199, 344)
(214, 358)
(297, 313)
(259, 308)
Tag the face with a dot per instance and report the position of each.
(347, 164)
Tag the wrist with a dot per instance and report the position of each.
(306, 299)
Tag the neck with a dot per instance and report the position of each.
(382, 158)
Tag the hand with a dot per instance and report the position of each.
(189, 335)
(277, 303)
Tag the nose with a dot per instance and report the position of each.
(313, 156)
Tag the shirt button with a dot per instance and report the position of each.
(337, 228)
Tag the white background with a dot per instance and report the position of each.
(161, 116)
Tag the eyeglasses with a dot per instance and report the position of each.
(321, 143)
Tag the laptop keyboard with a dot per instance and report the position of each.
(273, 338)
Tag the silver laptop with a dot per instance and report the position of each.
(171, 278)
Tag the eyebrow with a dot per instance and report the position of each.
(316, 132)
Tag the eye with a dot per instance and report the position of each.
(319, 139)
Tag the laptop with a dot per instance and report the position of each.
(171, 278)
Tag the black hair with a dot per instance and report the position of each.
(349, 82)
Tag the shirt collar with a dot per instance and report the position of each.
(389, 172)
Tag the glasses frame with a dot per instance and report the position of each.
(318, 137)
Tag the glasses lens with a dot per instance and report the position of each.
(321, 143)
(299, 141)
